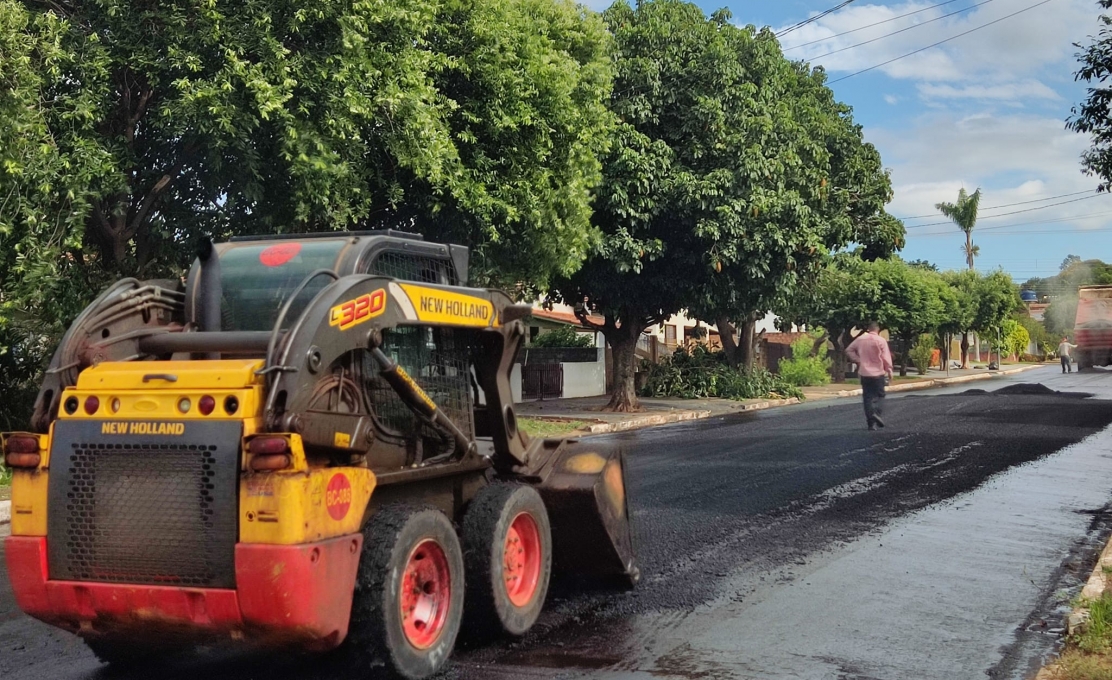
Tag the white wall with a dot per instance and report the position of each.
(583, 379)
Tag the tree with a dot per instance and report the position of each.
(960, 317)
(1069, 262)
(997, 300)
(848, 208)
(923, 264)
(913, 302)
(964, 214)
(1092, 117)
(129, 131)
(715, 173)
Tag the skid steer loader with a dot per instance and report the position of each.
(309, 444)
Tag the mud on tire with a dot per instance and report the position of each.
(507, 551)
(411, 560)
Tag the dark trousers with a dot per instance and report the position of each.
(1066, 364)
(872, 392)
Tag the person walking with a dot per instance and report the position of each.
(1064, 353)
(874, 366)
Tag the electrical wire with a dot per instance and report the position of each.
(862, 28)
(902, 30)
(1020, 224)
(813, 19)
(1014, 212)
(941, 42)
(1006, 205)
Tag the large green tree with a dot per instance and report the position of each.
(128, 131)
(831, 196)
(1093, 117)
(717, 178)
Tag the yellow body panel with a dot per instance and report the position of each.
(211, 374)
(438, 306)
(29, 494)
(288, 508)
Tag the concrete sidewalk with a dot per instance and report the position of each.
(664, 411)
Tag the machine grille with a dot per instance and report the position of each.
(438, 359)
(144, 513)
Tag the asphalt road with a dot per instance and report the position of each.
(795, 544)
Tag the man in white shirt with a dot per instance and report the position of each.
(1064, 353)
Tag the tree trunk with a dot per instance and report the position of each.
(965, 350)
(746, 336)
(729, 346)
(838, 355)
(623, 345)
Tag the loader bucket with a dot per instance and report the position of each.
(584, 490)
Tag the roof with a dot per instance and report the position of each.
(565, 317)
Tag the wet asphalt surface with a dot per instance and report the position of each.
(794, 544)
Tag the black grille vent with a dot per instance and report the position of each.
(161, 514)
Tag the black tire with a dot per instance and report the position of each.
(376, 636)
(490, 610)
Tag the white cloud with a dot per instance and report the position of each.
(1012, 157)
(1005, 59)
(892, 99)
(1027, 89)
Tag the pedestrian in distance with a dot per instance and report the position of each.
(874, 366)
(1064, 353)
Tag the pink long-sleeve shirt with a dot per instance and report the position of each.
(870, 352)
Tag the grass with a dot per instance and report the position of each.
(1088, 655)
(5, 483)
(537, 427)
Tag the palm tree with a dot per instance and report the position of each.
(976, 250)
(964, 214)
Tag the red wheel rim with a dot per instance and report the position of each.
(521, 560)
(426, 594)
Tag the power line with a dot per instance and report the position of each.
(1014, 212)
(862, 28)
(940, 42)
(902, 30)
(813, 19)
(1020, 224)
(1006, 205)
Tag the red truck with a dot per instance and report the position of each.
(1093, 327)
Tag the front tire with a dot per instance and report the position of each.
(408, 602)
(507, 548)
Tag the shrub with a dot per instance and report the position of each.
(564, 336)
(806, 368)
(920, 354)
(699, 373)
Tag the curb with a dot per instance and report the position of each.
(657, 419)
(5, 512)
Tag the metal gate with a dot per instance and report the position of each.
(542, 381)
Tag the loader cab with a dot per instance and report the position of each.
(258, 274)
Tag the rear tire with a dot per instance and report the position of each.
(507, 550)
(408, 602)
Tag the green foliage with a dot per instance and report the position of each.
(1012, 338)
(564, 336)
(1092, 117)
(5, 475)
(920, 354)
(699, 374)
(732, 172)
(129, 131)
(806, 367)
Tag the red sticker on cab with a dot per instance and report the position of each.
(279, 254)
(337, 497)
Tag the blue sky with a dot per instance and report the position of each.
(985, 110)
